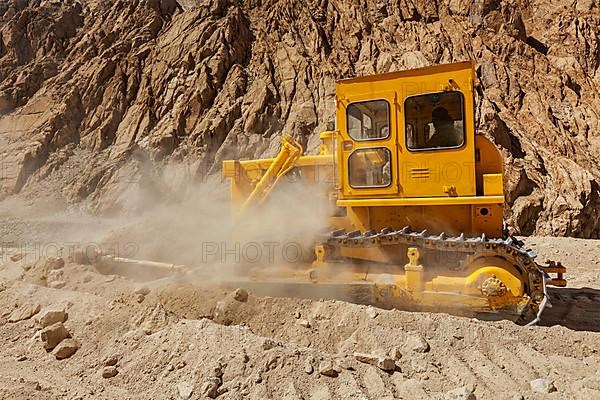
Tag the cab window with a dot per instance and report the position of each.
(370, 168)
(434, 121)
(368, 120)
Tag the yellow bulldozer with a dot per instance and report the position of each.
(415, 196)
(418, 197)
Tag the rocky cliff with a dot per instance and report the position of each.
(94, 94)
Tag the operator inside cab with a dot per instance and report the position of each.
(445, 134)
(435, 121)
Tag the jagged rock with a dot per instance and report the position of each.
(542, 385)
(382, 362)
(23, 312)
(203, 81)
(55, 275)
(51, 316)
(52, 335)
(327, 368)
(65, 349)
(395, 353)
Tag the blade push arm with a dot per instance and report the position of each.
(289, 154)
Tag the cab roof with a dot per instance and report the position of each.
(423, 71)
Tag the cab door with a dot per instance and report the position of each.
(437, 151)
(368, 156)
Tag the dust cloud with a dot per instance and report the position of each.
(201, 229)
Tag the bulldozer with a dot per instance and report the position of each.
(418, 197)
(415, 205)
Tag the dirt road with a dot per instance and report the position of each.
(176, 341)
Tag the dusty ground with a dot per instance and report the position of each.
(179, 340)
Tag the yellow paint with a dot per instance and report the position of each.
(421, 201)
(492, 185)
(381, 170)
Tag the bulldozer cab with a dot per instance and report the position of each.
(407, 134)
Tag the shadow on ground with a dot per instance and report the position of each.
(573, 308)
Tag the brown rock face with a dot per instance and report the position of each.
(94, 92)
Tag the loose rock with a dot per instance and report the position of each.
(304, 323)
(24, 312)
(395, 353)
(109, 372)
(65, 349)
(52, 335)
(308, 365)
(382, 362)
(110, 360)
(326, 368)
(542, 385)
(51, 316)
(184, 390)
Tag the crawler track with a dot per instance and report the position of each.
(467, 248)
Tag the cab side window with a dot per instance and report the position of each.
(370, 168)
(434, 121)
(368, 120)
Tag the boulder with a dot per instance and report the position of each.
(65, 349)
(51, 316)
(52, 335)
